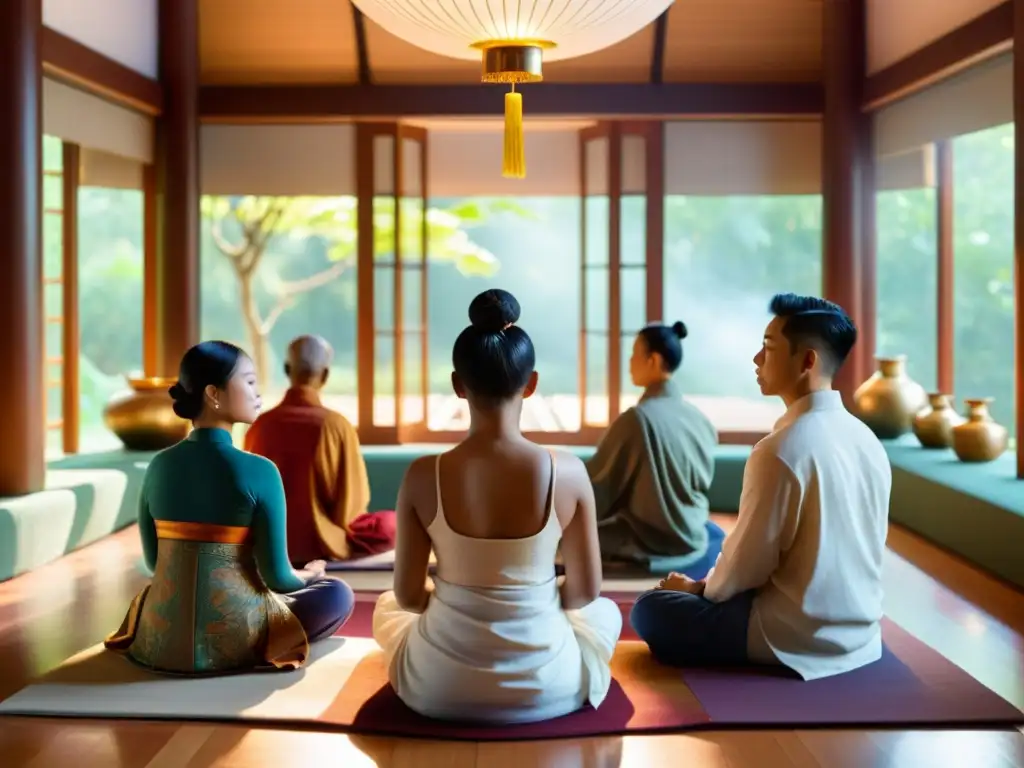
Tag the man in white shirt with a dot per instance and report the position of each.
(799, 580)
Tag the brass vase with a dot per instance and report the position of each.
(143, 417)
(934, 426)
(979, 438)
(889, 400)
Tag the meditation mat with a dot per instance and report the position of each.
(385, 561)
(344, 687)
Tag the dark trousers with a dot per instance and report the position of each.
(684, 630)
(322, 607)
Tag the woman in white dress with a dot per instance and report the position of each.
(497, 637)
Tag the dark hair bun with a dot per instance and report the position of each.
(679, 329)
(493, 311)
(186, 405)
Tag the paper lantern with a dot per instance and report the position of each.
(513, 37)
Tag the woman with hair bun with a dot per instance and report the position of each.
(653, 468)
(224, 597)
(496, 637)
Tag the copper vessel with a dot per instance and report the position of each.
(889, 400)
(143, 417)
(979, 438)
(934, 425)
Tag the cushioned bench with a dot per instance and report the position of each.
(78, 507)
(974, 510)
(130, 464)
(386, 466)
(90, 496)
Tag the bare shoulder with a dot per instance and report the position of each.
(571, 469)
(420, 474)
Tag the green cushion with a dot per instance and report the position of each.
(386, 465)
(975, 510)
(132, 464)
(34, 530)
(78, 507)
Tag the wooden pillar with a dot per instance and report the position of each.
(70, 343)
(150, 291)
(22, 428)
(847, 177)
(365, 252)
(176, 265)
(614, 270)
(944, 306)
(1018, 230)
(867, 321)
(655, 223)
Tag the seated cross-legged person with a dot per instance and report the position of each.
(799, 580)
(496, 636)
(223, 597)
(653, 468)
(317, 451)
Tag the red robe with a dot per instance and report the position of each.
(325, 483)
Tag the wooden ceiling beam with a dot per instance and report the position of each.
(362, 47)
(69, 61)
(979, 39)
(340, 103)
(658, 51)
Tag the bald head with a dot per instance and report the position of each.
(309, 360)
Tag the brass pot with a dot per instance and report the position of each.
(889, 400)
(143, 417)
(934, 426)
(979, 438)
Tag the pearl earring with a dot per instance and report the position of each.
(216, 406)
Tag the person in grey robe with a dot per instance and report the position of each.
(653, 468)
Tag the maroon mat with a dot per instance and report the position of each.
(926, 689)
(384, 714)
(912, 685)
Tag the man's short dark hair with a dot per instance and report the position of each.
(816, 323)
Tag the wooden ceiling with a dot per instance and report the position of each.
(262, 42)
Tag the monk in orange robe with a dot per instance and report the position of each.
(317, 452)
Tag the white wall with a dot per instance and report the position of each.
(743, 158)
(709, 158)
(93, 123)
(123, 30)
(978, 98)
(277, 160)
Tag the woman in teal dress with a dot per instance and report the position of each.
(224, 596)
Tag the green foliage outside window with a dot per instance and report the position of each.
(724, 258)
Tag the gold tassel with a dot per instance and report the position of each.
(514, 162)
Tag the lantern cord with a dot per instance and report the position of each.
(514, 161)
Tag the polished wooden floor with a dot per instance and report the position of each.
(49, 614)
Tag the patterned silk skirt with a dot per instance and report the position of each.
(207, 610)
